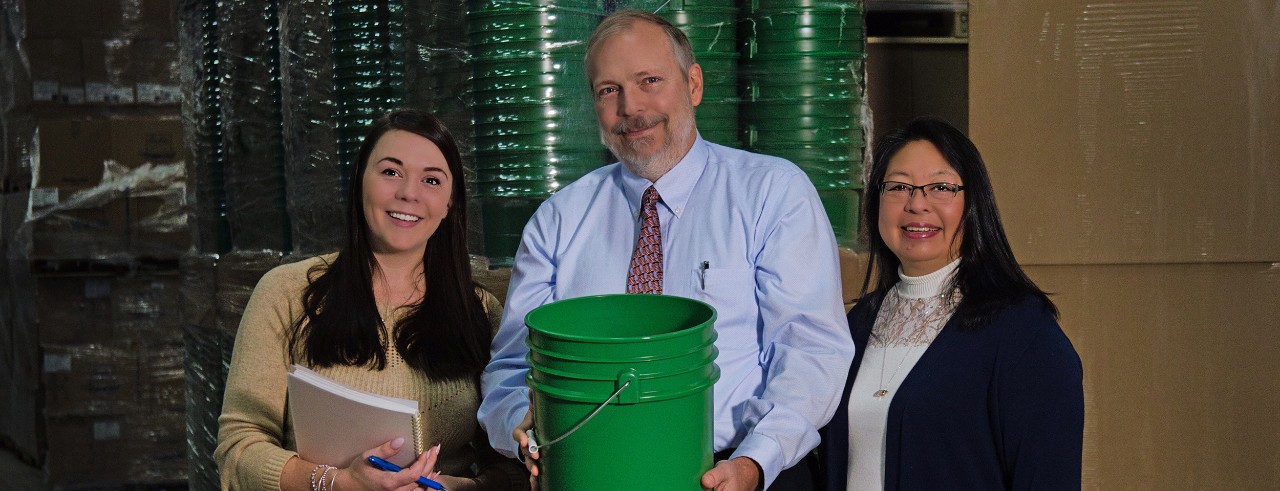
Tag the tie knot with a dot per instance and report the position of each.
(650, 197)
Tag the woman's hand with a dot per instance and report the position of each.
(362, 476)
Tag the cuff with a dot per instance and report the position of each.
(767, 454)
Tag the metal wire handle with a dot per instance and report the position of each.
(533, 444)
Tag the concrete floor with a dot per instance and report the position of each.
(17, 475)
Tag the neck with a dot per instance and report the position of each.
(399, 279)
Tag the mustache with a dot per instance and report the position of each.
(637, 123)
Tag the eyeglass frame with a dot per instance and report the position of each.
(911, 191)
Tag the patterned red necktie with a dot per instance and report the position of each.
(646, 261)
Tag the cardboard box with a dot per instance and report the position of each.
(138, 141)
(147, 309)
(71, 154)
(86, 451)
(162, 373)
(158, 225)
(78, 233)
(56, 70)
(89, 380)
(74, 309)
(154, 70)
(139, 19)
(106, 71)
(155, 446)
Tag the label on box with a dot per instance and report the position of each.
(97, 92)
(42, 197)
(159, 94)
(106, 430)
(57, 362)
(72, 95)
(121, 95)
(44, 90)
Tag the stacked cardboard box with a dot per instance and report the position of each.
(113, 377)
(103, 53)
(109, 187)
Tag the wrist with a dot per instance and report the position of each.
(749, 467)
(341, 480)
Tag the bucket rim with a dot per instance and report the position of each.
(708, 322)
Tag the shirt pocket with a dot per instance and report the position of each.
(732, 292)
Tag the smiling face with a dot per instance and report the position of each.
(925, 236)
(644, 103)
(406, 192)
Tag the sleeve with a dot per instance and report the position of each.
(1041, 404)
(506, 396)
(250, 453)
(806, 344)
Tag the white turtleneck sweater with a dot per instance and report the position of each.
(912, 314)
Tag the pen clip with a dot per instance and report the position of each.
(702, 273)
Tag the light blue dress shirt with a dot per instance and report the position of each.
(772, 275)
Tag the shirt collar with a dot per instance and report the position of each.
(675, 186)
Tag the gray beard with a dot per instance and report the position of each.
(654, 165)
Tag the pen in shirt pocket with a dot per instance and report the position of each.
(702, 273)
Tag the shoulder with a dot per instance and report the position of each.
(297, 271)
(583, 188)
(1028, 328)
(750, 165)
(292, 277)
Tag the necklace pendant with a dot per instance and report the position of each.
(881, 393)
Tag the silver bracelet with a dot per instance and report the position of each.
(313, 476)
(327, 468)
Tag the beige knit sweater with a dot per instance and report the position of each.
(255, 434)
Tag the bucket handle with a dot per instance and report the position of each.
(625, 378)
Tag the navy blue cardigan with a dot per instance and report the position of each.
(1001, 407)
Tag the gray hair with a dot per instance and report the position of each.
(624, 20)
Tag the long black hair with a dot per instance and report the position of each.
(988, 277)
(447, 335)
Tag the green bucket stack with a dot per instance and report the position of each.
(368, 69)
(621, 388)
(802, 93)
(534, 116)
(712, 29)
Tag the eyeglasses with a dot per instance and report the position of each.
(938, 193)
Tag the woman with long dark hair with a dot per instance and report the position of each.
(963, 378)
(394, 312)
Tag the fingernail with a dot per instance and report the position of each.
(397, 443)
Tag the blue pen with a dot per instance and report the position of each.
(390, 467)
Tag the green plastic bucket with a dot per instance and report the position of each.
(621, 388)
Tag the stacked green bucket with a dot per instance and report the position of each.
(534, 116)
(802, 93)
(368, 68)
(712, 29)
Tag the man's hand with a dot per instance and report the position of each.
(521, 435)
(738, 474)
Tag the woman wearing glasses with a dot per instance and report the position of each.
(963, 378)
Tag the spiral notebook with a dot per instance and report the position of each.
(334, 423)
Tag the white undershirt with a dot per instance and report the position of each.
(912, 314)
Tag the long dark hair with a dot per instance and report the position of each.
(988, 277)
(447, 335)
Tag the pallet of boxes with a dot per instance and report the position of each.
(107, 225)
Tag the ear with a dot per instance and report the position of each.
(695, 84)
